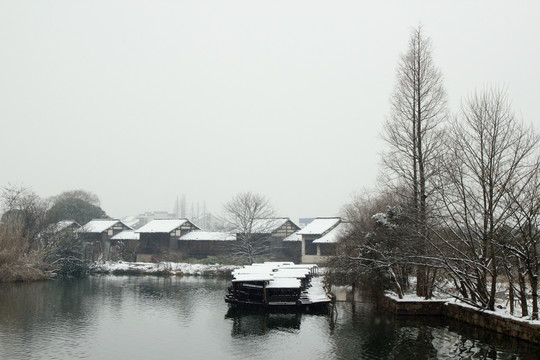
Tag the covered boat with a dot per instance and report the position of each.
(278, 285)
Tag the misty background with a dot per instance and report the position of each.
(142, 102)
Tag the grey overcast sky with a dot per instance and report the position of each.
(143, 101)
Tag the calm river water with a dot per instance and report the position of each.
(155, 318)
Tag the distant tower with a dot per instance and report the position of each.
(183, 206)
(205, 216)
(177, 207)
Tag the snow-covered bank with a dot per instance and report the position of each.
(162, 268)
(501, 308)
(499, 320)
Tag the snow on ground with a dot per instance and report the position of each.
(163, 267)
(413, 297)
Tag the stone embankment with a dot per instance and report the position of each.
(490, 320)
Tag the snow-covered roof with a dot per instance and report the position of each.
(131, 221)
(320, 226)
(209, 236)
(333, 235)
(293, 237)
(162, 225)
(284, 283)
(299, 266)
(276, 264)
(59, 226)
(98, 226)
(268, 268)
(268, 226)
(252, 277)
(276, 273)
(284, 275)
(62, 225)
(126, 235)
(292, 273)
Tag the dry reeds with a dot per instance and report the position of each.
(17, 261)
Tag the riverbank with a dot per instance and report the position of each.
(498, 321)
(22, 273)
(162, 269)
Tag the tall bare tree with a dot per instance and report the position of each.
(487, 157)
(244, 212)
(524, 198)
(418, 107)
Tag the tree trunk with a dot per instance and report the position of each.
(522, 291)
(421, 281)
(493, 290)
(534, 290)
(511, 298)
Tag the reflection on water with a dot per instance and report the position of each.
(252, 322)
(148, 317)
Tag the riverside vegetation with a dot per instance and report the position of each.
(30, 247)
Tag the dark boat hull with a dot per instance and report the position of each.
(318, 307)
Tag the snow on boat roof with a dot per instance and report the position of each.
(252, 277)
(98, 226)
(126, 235)
(276, 263)
(320, 226)
(162, 225)
(272, 272)
(291, 273)
(260, 269)
(299, 266)
(293, 237)
(332, 236)
(208, 235)
(285, 283)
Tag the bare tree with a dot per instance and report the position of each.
(24, 212)
(418, 107)
(524, 200)
(487, 154)
(244, 213)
